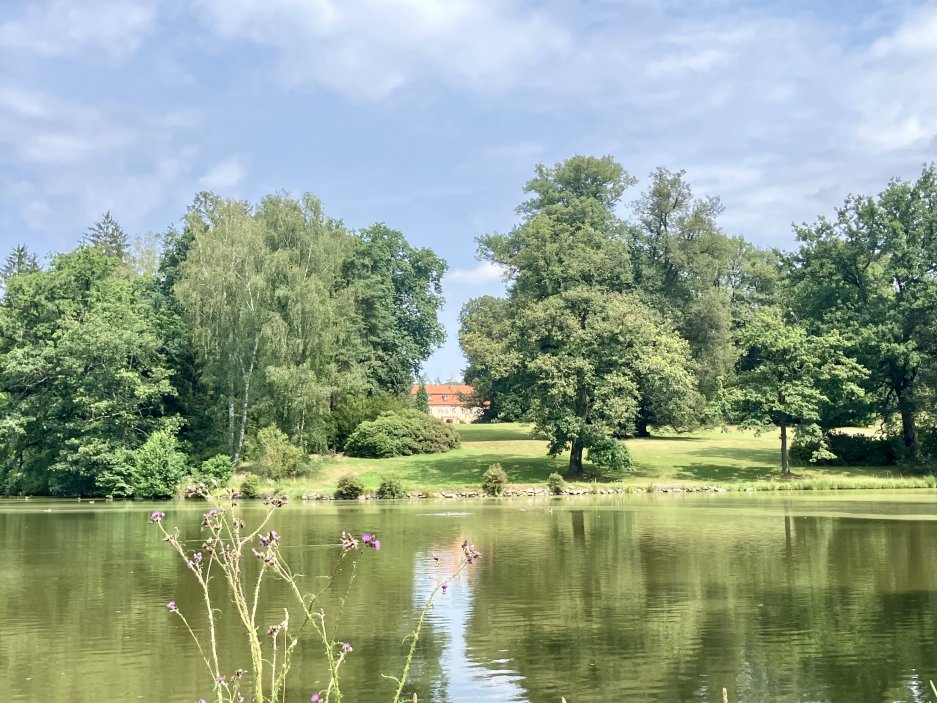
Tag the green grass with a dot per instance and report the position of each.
(733, 459)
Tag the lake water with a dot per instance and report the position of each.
(633, 598)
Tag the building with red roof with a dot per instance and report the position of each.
(447, 401)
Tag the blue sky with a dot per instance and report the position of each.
(430, 114)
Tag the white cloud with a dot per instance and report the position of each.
(484, 274)
(224, 175)
(370, 48)
(60, 27)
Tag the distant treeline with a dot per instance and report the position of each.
(276, 323)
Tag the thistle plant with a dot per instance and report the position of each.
(225, 549)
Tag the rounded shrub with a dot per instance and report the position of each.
(217, 468)
(276, 455)
(251, 486)
(349, 487)
(494, 480)
(611, 455)
(401, 433)
(555, 483)
(391, 487)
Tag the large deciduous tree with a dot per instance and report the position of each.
(788, 376)
(871, 273)
(586, 345)
(81, 373)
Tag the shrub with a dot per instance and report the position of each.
(217, 468)
(555, 483)
(153, 470)
(847, 450)
(277, 456)
(391, 487)
(349, 487)
(401, 434)
(494, 480)
(251, 486)
(611, 455)
(352, 410)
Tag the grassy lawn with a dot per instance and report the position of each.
(733, 459)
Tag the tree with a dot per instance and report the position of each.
(582, 339)
(871, 272)
(19, 261)
(786, 377)
(108, 236)
(421, 402)
(398, 297)
(81, 371)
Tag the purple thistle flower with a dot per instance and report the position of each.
(156, 516)
(172, 606)
(212, 513)
(444, 586)
(376, 544)
(366, 538)
(315, 698)
(346, 647)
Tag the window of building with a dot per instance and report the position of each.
(445, 398)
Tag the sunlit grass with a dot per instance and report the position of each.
(732, 459)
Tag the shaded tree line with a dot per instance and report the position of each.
(247, 317)
(614, 325)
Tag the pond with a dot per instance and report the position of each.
(812, 597)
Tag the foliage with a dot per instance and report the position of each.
(82, 374)
(556, 484)
(786, 377)
(349, 487)
(153, 470)
(252, 486)
(401, 434)
(586, 350)
(421, 401)
(391, 487)
(612, 455)
(353, 409)
(276, 455)
(217, 468)
(398, 296)
(847, 450)
(19, 261)
(107, 236)
(868, 274)
(494, 480)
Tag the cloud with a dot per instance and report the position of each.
(61, 27)
(36, 127)
(224, 175)
(370, 48)
(484, 274)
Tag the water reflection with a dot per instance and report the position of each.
(815, 598)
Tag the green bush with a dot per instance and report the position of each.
(401, 434)
(391, 487)
(611, 455)
(349, 487)
(217, 468)
(556, 484)
(252, 486)
(352, 410)
(848, 449)
(276, 455)
(927, 437)
(494, 480)
(153, 470)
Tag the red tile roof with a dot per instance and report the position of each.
(452, 391)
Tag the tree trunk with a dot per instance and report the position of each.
(785, 459)
(247, 392)
(908, 426)
(641, 427)
(575, 458)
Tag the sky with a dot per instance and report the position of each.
(430, 115)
